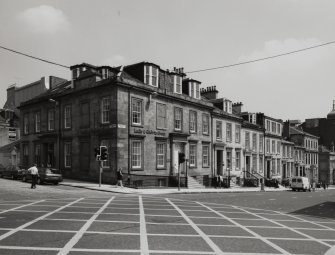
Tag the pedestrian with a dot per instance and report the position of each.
(34, 175)
(221, 181)
(324, 185)
(119, 177)
(313, 186)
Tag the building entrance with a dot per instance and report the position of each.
(219, 162)
(268, 169)
(178, 148)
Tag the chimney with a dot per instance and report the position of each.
(237, 108)
(209, 92)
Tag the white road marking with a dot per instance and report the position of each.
(292, 229)
(70, 244)
(28, 248)
(211, 244)
(143, 230)
(276, 247)
(35, 220)
(18, 207)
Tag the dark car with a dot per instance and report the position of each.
(45, 175)
(13, 172)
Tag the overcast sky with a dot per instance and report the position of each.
(194, 34)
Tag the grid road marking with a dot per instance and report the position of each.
(70, 244)
(292, 229)
(276, 247)
(35, 220)
(143, 230)
(211, 244)
(16, 208)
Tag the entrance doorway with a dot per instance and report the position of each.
(268, 169)
(178, 148)
(219, 162)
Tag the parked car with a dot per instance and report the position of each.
(45, 175)
(13, 172)
(300, 183)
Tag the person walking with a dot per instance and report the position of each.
(119, 177)
(34, 175)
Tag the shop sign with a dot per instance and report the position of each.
(148, 132)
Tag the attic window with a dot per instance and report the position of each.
(151, 75)
(194, 90)
(104, 73)
(75, 73)
(177, 82)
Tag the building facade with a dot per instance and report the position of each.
(146, 116)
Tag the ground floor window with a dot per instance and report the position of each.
(136, 154)
(229, 157)
(193, 155)
(254, 163)
(161, 154)
(205, 155)
(238, 160)
(67, 154)
(38, 154)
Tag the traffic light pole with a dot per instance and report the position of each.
(100, 171)
(178, 177)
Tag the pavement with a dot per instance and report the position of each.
(126, 190)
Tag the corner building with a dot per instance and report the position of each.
(143, 114)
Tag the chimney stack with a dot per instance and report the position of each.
(209, 92)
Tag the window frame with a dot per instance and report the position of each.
(140, 159)
(67, 154)
(218, 127)
(177, 86)
(204, 163)
(193, 155)
(149, 75)
(229, 131)
(162, 155)
(51, 121)
(205, 124)
(178, 109)
(237, 133)
(140, 113)
(191, 122)
(67, 116)
(37, 122)
(105, 110)
(26, 123)
(158, 117)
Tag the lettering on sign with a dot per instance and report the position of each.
(148, 132)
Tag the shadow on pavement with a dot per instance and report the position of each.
(323, 210)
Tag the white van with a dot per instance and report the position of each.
(300, 183)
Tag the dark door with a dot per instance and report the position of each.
(84, 156)
(268, 169)
(219, 162)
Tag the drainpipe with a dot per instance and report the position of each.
(129, 119)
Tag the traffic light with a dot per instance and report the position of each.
(181, 157)
(96, 152)
(103, 152)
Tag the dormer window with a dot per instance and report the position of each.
(177, 83)
(104, 73)
(151, 75)
(252, 118)
(75, 73)
(227, 106)
(194, 89)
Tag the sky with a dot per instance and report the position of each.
(193, 34)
